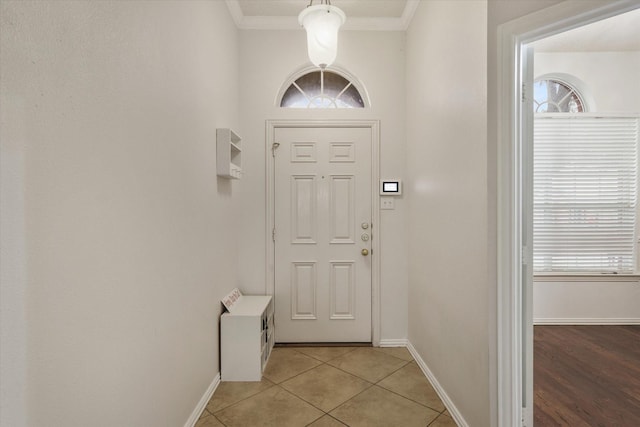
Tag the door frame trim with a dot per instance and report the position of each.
(376, 252)
(513, 301)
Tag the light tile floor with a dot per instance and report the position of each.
(331, 387)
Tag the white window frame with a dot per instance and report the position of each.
(578, 86)
(334, 69)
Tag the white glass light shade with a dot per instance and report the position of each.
(322, 23)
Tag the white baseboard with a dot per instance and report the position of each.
(195, 415)
(402, 342)
(585, 321)
(455, 414)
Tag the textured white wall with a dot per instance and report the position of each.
(128, 234)
(586, 302)
(447, 190)
(13, 328)
(268, 58)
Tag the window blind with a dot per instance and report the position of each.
(585, 193)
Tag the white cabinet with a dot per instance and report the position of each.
(246, 338)
(228, 154)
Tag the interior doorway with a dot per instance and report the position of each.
(515, 168)
(584, 255)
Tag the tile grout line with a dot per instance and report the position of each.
(322, 410)
(377, 383)
(326, 362)
(351, 373)
(297, 375)
(320, 360)
(408, 398)
(399, 395)
(307, 402)
(278, 384)
(438, 417)
(411, 400)
(213, 416)
(406, 362)
(219, 420)
(239, 401)
(371, 384)
(348, 400)
(337, 420)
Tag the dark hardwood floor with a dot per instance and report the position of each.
(586, 376)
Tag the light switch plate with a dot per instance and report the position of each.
(387, 203)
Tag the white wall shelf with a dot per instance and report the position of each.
(228, 154)
(246, 339)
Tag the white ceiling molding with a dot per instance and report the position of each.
(353, 23)
(409, 11)
(236, 11)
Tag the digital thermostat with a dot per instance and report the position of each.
(390, 187)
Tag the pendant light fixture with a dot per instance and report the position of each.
(322, 23)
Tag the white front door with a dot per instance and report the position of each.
(323, 212)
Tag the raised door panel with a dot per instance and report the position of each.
(341, 209)
(342, 290)
(303, 290)
(304, 209)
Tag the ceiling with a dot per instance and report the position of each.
(617, 34)
(361, 8)
(389, 15)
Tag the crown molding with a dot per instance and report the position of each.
(409, 12)
(291, 22)
(236, 11)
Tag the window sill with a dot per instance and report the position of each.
(594, 277)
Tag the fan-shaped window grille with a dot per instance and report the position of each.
(322, 89)
(555, 96)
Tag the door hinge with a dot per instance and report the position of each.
(524, 92)
(525, 254)
(273, 234)
(274, 147)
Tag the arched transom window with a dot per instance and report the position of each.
(555, 96)
(322, 89)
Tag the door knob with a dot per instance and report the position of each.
(365, 252)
